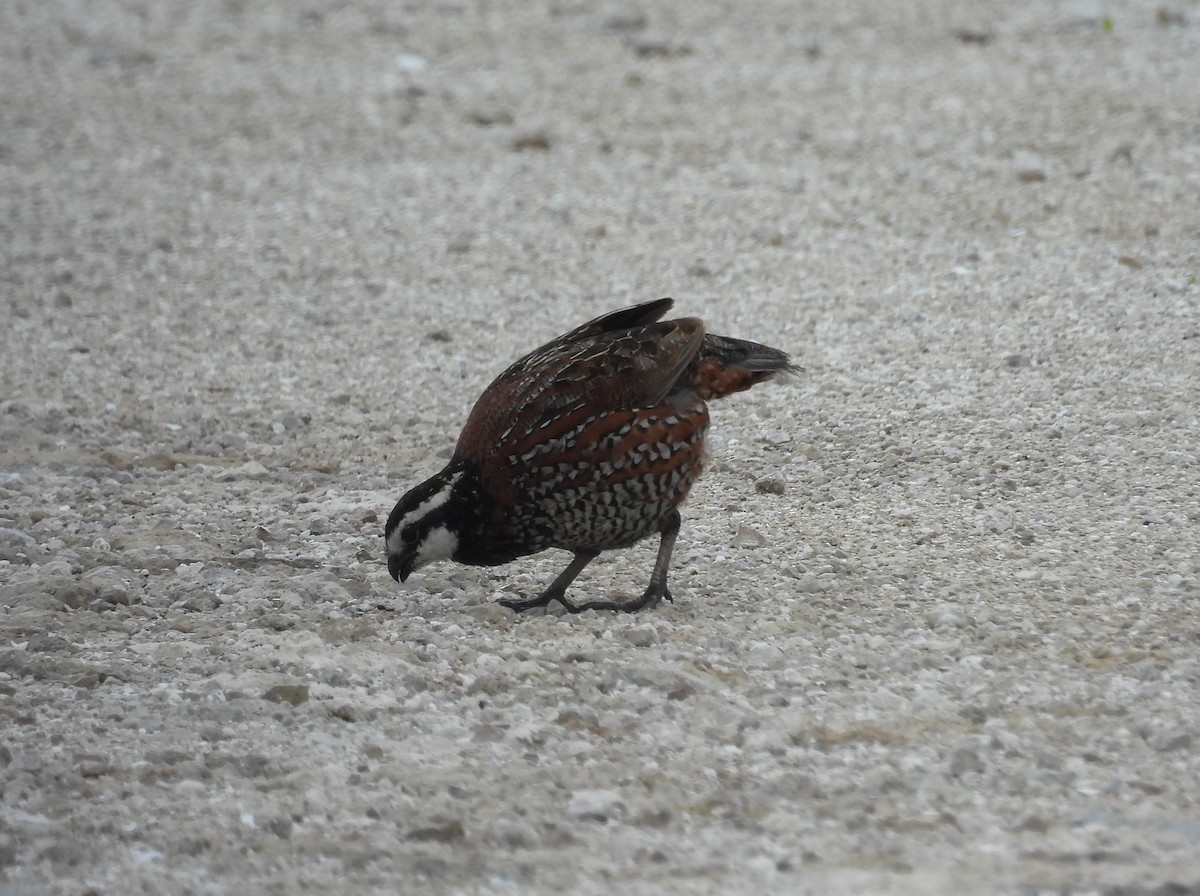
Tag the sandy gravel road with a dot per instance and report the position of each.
(936, 626)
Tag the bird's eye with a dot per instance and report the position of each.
(408, 534)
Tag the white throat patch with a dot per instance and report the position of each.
(439, 544)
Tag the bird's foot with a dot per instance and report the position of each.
(655, 594)
(652, 597)
(521, 604)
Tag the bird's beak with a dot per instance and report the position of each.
(401, 565)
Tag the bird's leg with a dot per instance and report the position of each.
(557, 589)
(656, 591)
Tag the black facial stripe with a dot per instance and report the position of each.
(413, 499)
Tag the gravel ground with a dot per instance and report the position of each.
(936, 625)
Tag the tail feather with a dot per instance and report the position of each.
(725, 365)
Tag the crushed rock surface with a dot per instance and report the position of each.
(935, 628)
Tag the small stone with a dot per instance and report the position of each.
(1171, 888)
(964, 761)
(747, 537)
(978, 36)
(65, 851)
(650, 47)
(410, 62)
(295, 694)
(1122, 155)
(488, 734)
(947, 616)
(594, 805)
(675, 683)
(487, 118)
(515, 835)
(1017, 359)
(1170, 741)
(806, 582)
(1086, 12)
(8, 852)
(1029, 167)
(537, 141)
(200, 603)
(1166, 17)
(89, 680)
(74, 595)
(805, 41)
(16, 538)
(293, 422)
(625, 20)
(93, 766)
(1034, 823)
(344, 710)
(771, 485)
(441, 831)
(762, 655)
(252, 469)
(644, 635)
(653, 818)
(167, 757)
(533, 733)
(320, 525)
(28, 762)
(761, 866)
(111, 584)
(491, 613)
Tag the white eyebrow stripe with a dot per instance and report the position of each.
(436, 500)
(430, 504)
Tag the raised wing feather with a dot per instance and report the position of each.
(617, 362)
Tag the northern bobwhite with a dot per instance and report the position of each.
(589, 443)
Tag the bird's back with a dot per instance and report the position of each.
(624, 360)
